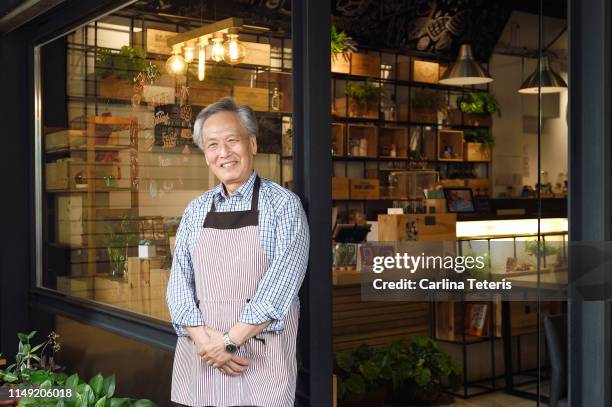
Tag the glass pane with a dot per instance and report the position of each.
(119, 162)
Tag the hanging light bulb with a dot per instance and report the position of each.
(176, 64)
(189, 52)
(233, 50)
(217, 47)
(202, 58)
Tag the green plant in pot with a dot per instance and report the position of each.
(363, 97)
(419, 371)
(117, 242)
(341, 43)
(125, 64)
(359, 377)
(484, 137)
(425, 105)
(478, 102)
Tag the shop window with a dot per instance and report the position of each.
(118, 161)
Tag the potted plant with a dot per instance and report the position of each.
(341, 46)
(363, 98)
(477, 108)
(419, 371)
(425, 105)
(118, 71)
(33, 365)
(536, 248)
(360, 382)
(478, 144)
(117, 243)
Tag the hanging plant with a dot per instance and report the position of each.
(341, 43)
(478, 102)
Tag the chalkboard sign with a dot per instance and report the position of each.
(173, 126)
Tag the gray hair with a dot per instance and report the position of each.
(245, 115)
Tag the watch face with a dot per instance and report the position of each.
(231, 348)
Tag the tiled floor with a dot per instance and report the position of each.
(498, 399)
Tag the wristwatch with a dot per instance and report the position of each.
(230, 346)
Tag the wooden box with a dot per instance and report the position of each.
(64, 139)
(256, 98)
(205, 93)
(114, 88)
(337, 138)
(424, 71)
(477, 119)
(356, 146)
(480, 186)
(397, 136)
(452, 182)
(70, 224)
(476, 152)
(450, 145)
(157, 41)
(364, 188)
(368, 110)
(341, 63)
(340, 188)
(77, 286)
(365, 64)
(424, 116)
(434, 227)
(256, 54)
(61, 174)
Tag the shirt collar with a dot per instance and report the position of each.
(245, 190)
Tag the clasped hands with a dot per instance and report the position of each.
(211, 349)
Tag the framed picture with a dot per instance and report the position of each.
(459, 200)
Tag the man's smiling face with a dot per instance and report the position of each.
(228, 149)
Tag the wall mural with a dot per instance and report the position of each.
(428, 26)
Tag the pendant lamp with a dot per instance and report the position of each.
(465, 70)
(548, 81)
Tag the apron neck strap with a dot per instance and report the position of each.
(254, 198)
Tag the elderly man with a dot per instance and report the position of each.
(240, 258)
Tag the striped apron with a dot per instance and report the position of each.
(228, 263)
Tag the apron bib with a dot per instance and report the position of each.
(228, 263)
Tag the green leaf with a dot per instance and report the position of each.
(101, 402)
(31, 334)
(143, 403)
(22, 337)
(356, 386)
(345, 361)
(46, 384)
(72, 381)
(10, 378)
(97, 383)
(109, 386)
(119, 402)
(370, 370)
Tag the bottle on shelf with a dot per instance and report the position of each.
(275, 102)
(363, 147)
(393, 151)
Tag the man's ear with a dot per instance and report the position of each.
(253, 141)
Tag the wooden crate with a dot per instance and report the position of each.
(256, 98)
(453, 140)
(77, 286)
(436, 205)
(61, 174)
(477, 119)
(354, 109)
(157, 41)
(338, 139)
(205, 93)
(113, 88)
(425, 71)
(340, 188)
(357, 132)
(365, 64)
(393, 135)
(438, 227)
(476, 152)
(341, 63)
(452, 182)
(424, 116)
(364, 188)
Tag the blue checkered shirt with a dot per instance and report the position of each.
(284, 236)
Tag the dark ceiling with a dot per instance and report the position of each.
(7, 5)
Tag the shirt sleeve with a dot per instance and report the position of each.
(181, 293)
(285, 274)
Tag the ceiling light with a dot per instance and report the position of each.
(547, 81)
(189, 52)
(233, 50)
(217, 47)
(202, 57)
(176, 64)
(465, 70)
